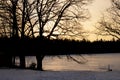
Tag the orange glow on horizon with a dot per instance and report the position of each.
(96, 9)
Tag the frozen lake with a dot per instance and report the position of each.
(95, 62)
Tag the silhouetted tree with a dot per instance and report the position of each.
(10, 15)
(59, 17)
(110, 23)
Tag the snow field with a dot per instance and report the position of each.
(18, 74)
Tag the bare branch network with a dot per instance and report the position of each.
(42, 17)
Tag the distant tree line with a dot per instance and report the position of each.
(31, 47)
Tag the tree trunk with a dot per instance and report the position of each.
(39, 62)
(15, 25)
(22, 61)
(13, 61)
(8, 61)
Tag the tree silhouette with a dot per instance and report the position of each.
(110, 23)
(52, 16)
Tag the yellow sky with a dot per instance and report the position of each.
(96, 9)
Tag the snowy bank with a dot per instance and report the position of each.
(17, 74)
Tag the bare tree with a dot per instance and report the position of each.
(59, 17)
(14, 15)
(10, 17)
(110, 23)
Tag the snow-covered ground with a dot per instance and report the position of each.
(17, 74)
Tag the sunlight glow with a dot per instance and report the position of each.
(96, 9)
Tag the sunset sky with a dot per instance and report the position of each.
(96, 9)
